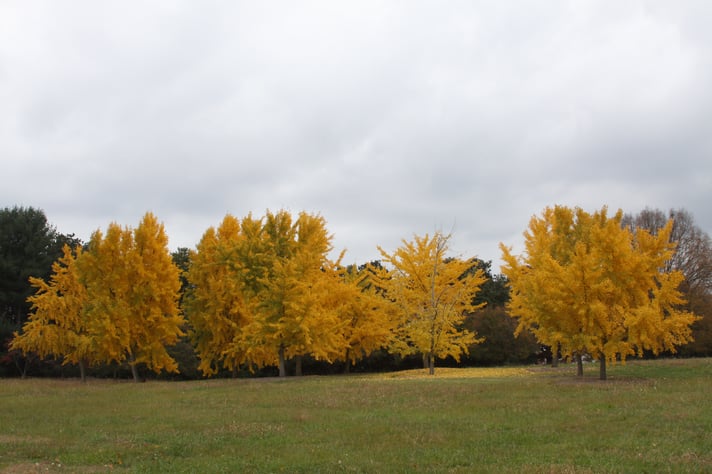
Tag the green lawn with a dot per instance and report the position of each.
(648, 417)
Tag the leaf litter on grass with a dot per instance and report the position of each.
(456, 373)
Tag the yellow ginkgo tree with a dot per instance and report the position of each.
(57, 325)
(294, 317)
(590, 285)
(117, 301)
(133, 289)
(262, 291)
(433, 293)
(219, 288)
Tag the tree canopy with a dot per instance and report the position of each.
(433, 292)
(591, 285)
(116, 301)
(58, 325)
(262, 291)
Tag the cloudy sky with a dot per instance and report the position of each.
(388, 118)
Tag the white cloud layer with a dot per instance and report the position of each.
(388, 118)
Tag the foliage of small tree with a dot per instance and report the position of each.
(500, 345)
(433, 293)
(495, 326)
(57, 325)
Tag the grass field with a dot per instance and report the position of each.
(650, 416)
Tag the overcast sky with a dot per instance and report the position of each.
(388, 118)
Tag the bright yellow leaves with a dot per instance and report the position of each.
(116, 301)
(216, 303)
(590, 285)
(264, 291)
(370, 318)
(293, 316)
(58, 324)
(261, 293)
(433, 293)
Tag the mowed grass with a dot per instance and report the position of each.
(650, 416)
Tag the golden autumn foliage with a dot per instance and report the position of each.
(369, 319)
(57, 325)
(455, 373)
(293, 317)
(592, 286)
(133, 290)
(433, 293)
(264, 291)
(117, 301)
(216, 304)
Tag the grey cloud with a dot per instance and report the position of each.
(387, 118)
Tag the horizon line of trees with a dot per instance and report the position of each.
(258, 295)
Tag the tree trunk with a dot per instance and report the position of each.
(22, 369)
(134, 368)
(602, 373)
(282, 368)
(298, 368)
(579, 364)
(347, 368)
(82, 370)
(431, 364)
(555, 355)
(134, 372)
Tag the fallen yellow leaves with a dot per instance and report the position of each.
(456, 373)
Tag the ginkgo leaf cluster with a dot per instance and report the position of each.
(116, 301)
(58, 324)
(264, 291)
(590, 285)
(433, 293)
